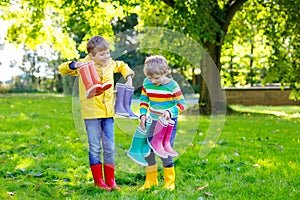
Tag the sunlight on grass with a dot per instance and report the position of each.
(285, 111)
(24, 163)
(265, 163)
(44, 156)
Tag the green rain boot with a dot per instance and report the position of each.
(139, 147)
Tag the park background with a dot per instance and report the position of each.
(254, 44)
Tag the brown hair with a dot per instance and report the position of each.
(96, 44)
(155, 65)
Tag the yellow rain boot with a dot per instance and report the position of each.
(151, 177)
(169, 178)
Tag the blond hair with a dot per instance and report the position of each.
(155, 65)
(97, 44)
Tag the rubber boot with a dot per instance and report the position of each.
(169, 178)
(109, 172)
(87, 81)
(166, 142)
(127, 102)
(151, 177)
(156, 142)
(119, 106)
(98, 179)
(96, 80)
(139, 148)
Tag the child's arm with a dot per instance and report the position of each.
(69, 68)
(180, 102)
(124, 69)
(144, 106)
(65, 69)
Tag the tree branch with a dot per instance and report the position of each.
(170, 2)
(230, 9)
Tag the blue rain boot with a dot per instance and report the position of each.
(127, 102)
(120, 97)
(139, 148)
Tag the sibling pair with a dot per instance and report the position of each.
(159, 142)
(91, 81)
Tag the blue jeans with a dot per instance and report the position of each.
(101, 129)
(167, 162)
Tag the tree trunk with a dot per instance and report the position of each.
(212, 97)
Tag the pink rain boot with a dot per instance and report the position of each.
(166, 142)
(157, 139)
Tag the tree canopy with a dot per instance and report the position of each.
(255, 39)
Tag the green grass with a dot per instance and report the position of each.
(43, 156)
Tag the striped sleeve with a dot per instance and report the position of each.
(179, 106)
(144, 102)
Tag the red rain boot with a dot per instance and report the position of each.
(96, 80)
(109, 172)
(166, 142)
(157, 139)
(87, 81)
(98, 179)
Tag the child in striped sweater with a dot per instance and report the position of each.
(162, 98)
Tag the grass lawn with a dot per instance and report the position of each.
(44, 155)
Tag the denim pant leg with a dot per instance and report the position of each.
(151, 160)
(167, 162)
(108, 141)
(93, 129)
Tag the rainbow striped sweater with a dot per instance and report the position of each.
(159, 98)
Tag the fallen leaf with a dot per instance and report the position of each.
(202, 187)
(39, 174)
(236, 153)
(208, 194)
(222, 142)
(10, 193)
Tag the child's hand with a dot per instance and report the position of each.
(166, 115)
(79, 64)
(143, 122)
(129, 81)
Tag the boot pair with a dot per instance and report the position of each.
(91, 81)
(139, 148)
(109, 173)
(124, 100)
(151, 178)
(160, 141)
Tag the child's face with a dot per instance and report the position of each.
(157, 79)
(101, 58)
